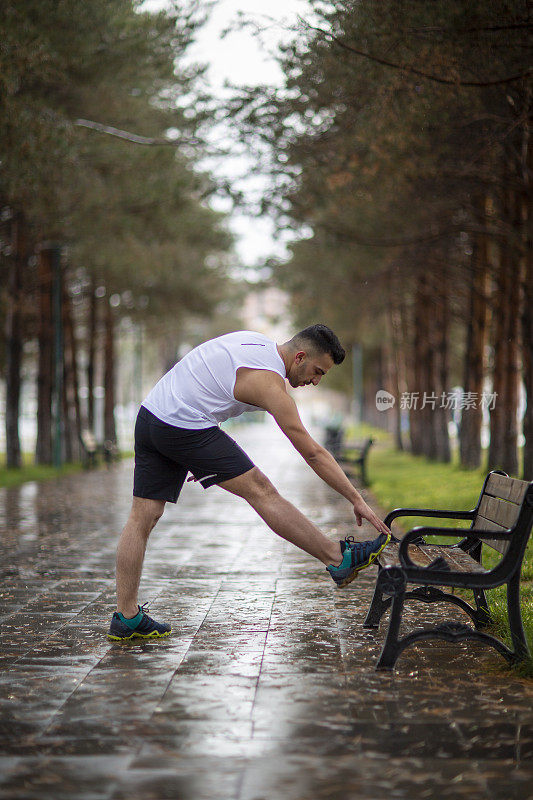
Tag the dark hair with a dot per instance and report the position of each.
(323, 339)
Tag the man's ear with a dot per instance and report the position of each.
(299, 357)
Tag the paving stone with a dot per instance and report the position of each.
(267, 687)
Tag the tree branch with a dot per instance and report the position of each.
(132, 137)
(515, 26)
(414, 71)
(452, 229)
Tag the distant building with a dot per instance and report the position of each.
(267, 311)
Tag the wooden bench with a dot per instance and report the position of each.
(501, 520)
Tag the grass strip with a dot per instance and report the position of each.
(10, 477)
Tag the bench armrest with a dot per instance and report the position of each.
(428, 512)
(414, 536)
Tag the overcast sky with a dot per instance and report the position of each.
(241, 59)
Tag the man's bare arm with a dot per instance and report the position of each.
(267, 390)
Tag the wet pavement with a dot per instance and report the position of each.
(266, 689)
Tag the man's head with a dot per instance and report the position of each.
(310, 354)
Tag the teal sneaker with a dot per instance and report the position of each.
(356, 556)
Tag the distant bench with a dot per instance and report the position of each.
(502, 520)
(349, 454)
(91, 449)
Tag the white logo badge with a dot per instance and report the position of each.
(384, 400)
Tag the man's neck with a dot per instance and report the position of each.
(285, 356)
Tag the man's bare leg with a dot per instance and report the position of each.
(130, 552)
(282, 517)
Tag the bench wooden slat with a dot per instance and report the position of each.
(482, 523)
(423, 555)
(511, 489)
(458, 560)
(502, 512)
(389, 556)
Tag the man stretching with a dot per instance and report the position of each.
(177, 432)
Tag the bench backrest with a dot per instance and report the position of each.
(500, 505)
(366, 447)
(333, 442)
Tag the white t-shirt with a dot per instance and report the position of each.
(198, 391)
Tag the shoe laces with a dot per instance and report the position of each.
(353, 545)
(361, 548)
(144, 608)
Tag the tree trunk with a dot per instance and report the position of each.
(474, 360)
(441, 334)
(510, 432)
(70, 338)
(527, 361)
(503, 421)
(404, 322)
(67, 443)
(379, 381)
(398, 370)
(91, 354)
(512, 374)
(499, 310)
(71, 410)
(527, 317)
(424, 372)
(110, 434)
(416, 376)
(45, 376)
(14, 341)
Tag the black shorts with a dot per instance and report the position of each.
(164, 454)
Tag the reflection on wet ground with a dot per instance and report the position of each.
(265, 691)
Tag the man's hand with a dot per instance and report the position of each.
(363, 511)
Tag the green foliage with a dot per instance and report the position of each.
(133, 216)
(393, 118)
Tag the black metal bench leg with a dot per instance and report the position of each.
(518, 636)
(391, 651)
(392, 581)
(482, 617)
(377, 608)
